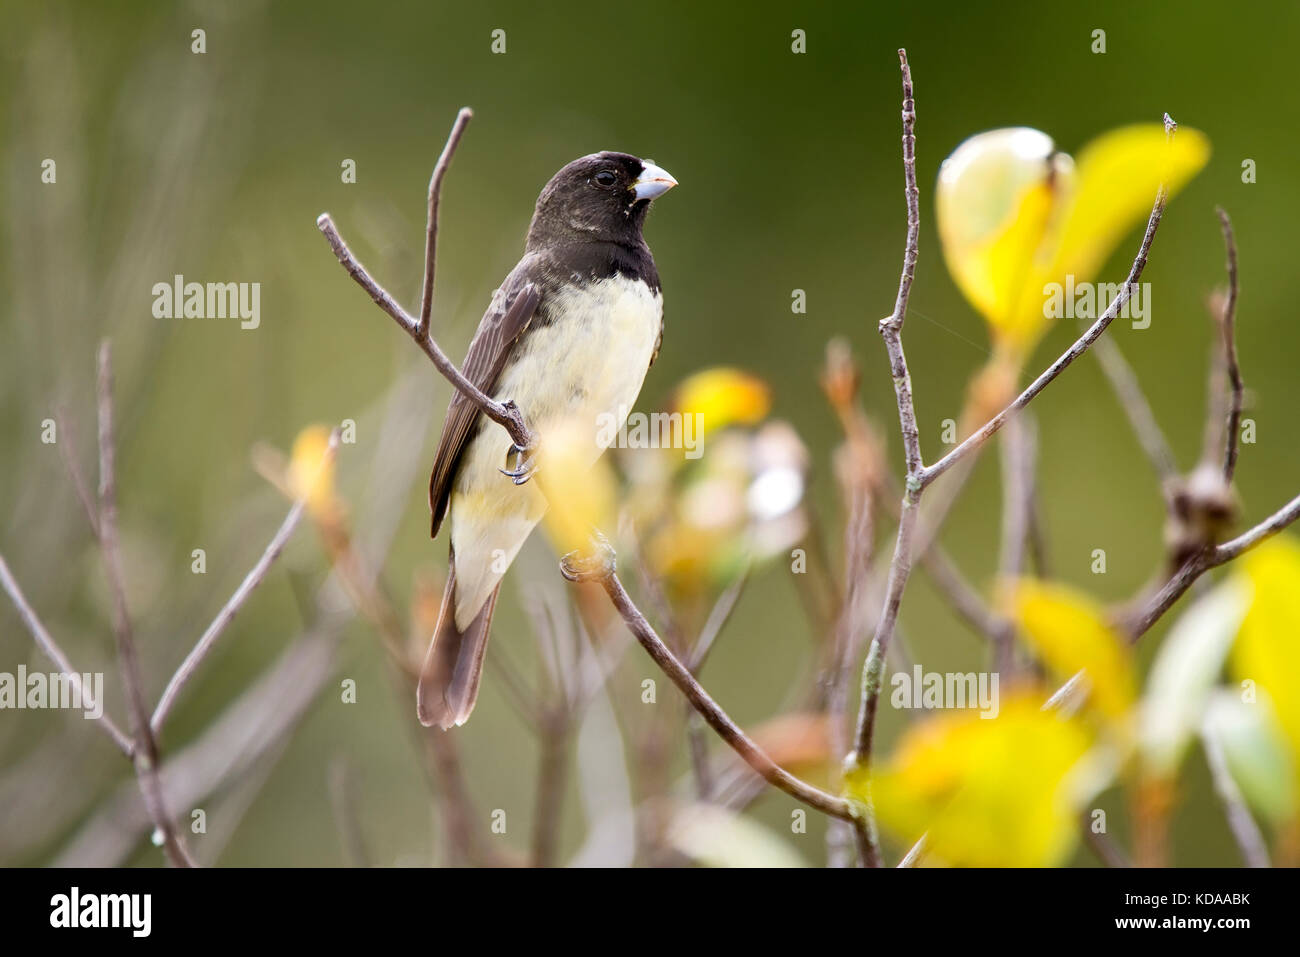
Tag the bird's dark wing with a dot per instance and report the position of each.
(511, 311)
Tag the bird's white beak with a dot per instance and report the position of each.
(653, 181)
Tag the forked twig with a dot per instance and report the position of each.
(506, 414)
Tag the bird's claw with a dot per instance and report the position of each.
(526, 465)
(595, 563)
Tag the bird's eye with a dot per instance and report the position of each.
(605, 178)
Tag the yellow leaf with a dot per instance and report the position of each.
(311, 472)
(1015, 215)
(1070, 633)
(994, 201)
(723, 397)
(579, 486)
(1267, 650)
(1004, 792)
(1116, 180)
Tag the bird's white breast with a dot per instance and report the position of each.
(586, 365)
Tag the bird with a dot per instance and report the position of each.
(569, 335)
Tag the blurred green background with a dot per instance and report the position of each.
(216, 166)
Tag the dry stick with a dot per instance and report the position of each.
(859, 534)
(1213, 557)
(431, 224)
(601, 569)
(891, 330)
(699, 653)
(145, 754)
(965, 600)
(1230, 351)
(236, 601)
(506, 414)
(47, 644)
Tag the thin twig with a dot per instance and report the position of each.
(1069, 695)
(601, 569)
(1230, 351)
(55, 653)
(431, 224)
(891, 330)
(1018, 451)
(850, 624)
(1209, 558)
(506, 414)
(1124, 383)
(241, 594)
(696, 732)
(1245, 831)
(965, 600)
(1081, 345)
(717, 620)
(145, 753)
(68, 448)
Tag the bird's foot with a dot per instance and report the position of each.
(595, 563)
(526, 464)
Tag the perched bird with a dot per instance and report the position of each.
(569, 335)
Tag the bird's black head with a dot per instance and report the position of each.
(603, 197)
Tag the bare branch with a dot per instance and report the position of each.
(431, 225)
(900, 567)
(601, 569)
(891, 328)
(1228, 321)
(1069, 695)
(145, 753)
(55, 654)
(236, 601)
(506, 414)
(1209, 558)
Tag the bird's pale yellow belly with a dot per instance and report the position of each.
(586, 367)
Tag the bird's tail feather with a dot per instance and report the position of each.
(453, 665)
